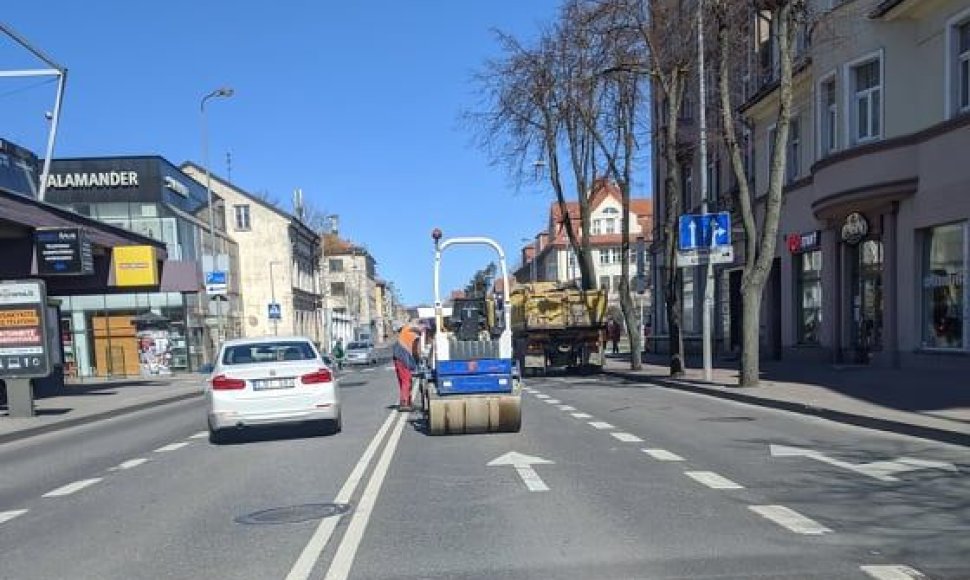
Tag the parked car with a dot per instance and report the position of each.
(270, 381)
(360, 353)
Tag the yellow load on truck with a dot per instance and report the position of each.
(556, 326)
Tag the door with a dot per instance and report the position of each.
(866, 287)
(735, 309)
(774, 311)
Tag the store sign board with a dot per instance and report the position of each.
(23, 330)
(63, 252)
(798, 243)
(135, 266)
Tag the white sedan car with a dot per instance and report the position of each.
(270, 381)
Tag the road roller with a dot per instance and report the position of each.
(471, 384)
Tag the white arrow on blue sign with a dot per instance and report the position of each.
(705, 231)
(275, 311)
(215, 283)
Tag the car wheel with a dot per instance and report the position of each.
(218, 436)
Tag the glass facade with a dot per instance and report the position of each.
(808, 299)
(173, 329)
(944, 274)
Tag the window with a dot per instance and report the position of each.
(944, 275)
(958, 64)
(714, 179)
(609, 256)
(828, 118)
(808, 298)
(793, 165)
(687, 182)
(610, 226)
(338, 289)
(866, 104)
(963, 66)
(242, 218)
(597, 228)
(605, 283)
(336, 265)
(617, 280)
(611, 211)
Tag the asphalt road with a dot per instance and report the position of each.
(630, 481)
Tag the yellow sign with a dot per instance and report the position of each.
(135, 266)
(18, 318)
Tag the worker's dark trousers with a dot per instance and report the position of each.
(403, 381)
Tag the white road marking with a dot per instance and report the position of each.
(790, 519)
(600, 425)
(528, 389)
(72, 487)
(523, 466)
(347, 550)
(129, 464)
(7, 516)
(200, 435)
(712, 480)
(318, 541)
(541, 396)
(172, 447)
(662, 455)
(566, 408)
(892, 572)
(553, 401)
(582, 415)
(881, 470)
(627, 437)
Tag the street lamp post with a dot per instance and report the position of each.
(220, 92)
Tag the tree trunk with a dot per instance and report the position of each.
(750, 337)
(672, 194)
(630, 315)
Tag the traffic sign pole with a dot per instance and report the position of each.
(709, 279)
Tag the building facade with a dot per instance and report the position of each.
(551, 259)
(350, 279)
(279, 262)
(173, 328)
(874, 243)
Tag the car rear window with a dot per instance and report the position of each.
(358, 346)
(267, 352)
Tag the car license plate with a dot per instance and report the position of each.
(268, 384)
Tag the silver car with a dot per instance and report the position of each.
(269, 381)
(360, 353)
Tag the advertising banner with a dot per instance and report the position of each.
(23, 330)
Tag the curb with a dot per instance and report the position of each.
(876, 423)
(110, 413)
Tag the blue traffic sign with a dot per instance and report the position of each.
(215, 278)
(275, 311)
(705, 231)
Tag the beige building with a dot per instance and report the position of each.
(350, 278)
(874, 240)
(279, 262)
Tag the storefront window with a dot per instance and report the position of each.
(809, 296)
(944, 272)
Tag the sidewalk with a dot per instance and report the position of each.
(93, 401)
(929, 404)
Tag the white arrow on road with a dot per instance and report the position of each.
(881, 470)
(523, 466)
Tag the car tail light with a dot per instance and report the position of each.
(224, 383)
(320, 376)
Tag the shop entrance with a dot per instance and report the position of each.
(865, 263)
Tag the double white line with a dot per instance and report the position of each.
(344, 557)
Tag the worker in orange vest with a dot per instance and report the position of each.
(406, 353)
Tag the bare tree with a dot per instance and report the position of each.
(732, 21)
(534, 113)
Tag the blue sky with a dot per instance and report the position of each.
(355, 102)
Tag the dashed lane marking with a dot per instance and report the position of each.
(713, 480)
(200, 435)
(7, 516)
(601, 425)
(72, 487)
(627, 437)
(553, 401)
(892, 572)
(582, 415)
(790, 519)
(129, 464)
(566, 408)
(171, 447)
(541, 396)
(663, 455)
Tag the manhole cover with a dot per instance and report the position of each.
(294, 514)
(727, 419)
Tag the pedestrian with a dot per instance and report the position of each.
(406, 353)
(615, 330)
(338, 353)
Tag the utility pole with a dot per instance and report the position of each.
(709, 267)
